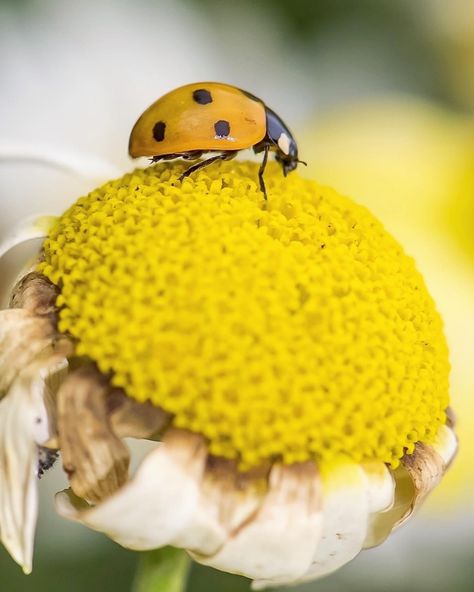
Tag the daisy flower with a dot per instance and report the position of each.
(284, 357)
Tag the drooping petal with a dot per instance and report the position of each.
(446, 444)
(381, 524)
(94, 458)
(156, 505)
(345, 518)
(427, 465)
(35, 293)
(380, 486)
(227, 501)
(277, 542)
(24, 424)
(381, 492)
(130, 419)
(23, 336)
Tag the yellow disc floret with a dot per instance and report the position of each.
(290, 329)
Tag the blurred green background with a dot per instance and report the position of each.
(380, 94)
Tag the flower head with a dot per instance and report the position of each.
(286, 353)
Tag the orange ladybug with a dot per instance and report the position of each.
(212, 117)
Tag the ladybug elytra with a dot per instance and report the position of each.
(212, 117)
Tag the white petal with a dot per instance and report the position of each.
(345, 518)
(16, 260)
(38, 182)
(29, 229)
(381, 486)
(38, 178)
(382, 523)
(446, 444)
(277, 544)
(153, 508)
(381, 492)
(78, 165)
(227, 500)
(23, 425)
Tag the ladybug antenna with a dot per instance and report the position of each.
(302, 162)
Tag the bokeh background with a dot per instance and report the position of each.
(380, 95)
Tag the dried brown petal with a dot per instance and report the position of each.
(425, 468)
(94, 458)
(63, 348)
(450, 418)
(35, 293)
(23, 336)
(130, 419)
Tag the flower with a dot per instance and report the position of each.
(285, 354)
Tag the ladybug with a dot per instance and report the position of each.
(212, 117)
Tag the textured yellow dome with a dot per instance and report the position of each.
(295, 328)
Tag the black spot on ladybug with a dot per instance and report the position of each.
(222, 128)
(159, 131)
(202, 96)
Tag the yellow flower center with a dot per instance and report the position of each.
(293, 329)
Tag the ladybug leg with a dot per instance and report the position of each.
(204, 163)
(192, 155)
(261, 170)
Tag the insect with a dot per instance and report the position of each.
(46, 459)
(212, 117)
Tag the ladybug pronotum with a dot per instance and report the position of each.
(212, 117)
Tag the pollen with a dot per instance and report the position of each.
(293, 329)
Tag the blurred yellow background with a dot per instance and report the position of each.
(380, 96)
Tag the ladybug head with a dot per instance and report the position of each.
(282, 141)
(289, 161)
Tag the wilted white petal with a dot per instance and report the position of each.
(24, 424)
(381, 493)
(150, 510)
(227, 501)
(380, 486)
(278, 542)
(345, 519)
(446, 444)
(382, 523)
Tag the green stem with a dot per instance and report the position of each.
(163, 570)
